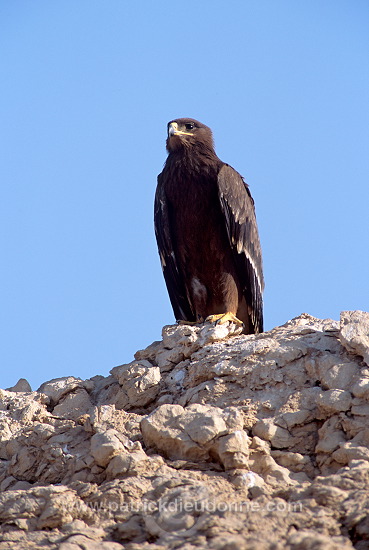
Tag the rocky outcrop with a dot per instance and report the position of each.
(208, 439)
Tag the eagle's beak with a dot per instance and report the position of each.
(173, 130)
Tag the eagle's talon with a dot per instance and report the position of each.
(222, 318)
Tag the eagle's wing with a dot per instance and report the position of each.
(173, 278)
(238, 208)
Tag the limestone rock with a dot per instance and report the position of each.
(198, 432)
(354, 333)
(74, 405)
(104, 446)
(57, 388)
(334, 401)
(139, 382)
(207, 439)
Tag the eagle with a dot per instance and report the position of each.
(206, 233)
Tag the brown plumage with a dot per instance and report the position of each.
(206, 231)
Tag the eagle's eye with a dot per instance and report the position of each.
(189, 126)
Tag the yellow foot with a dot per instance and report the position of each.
(223, 318)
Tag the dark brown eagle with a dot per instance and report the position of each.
(206, 232)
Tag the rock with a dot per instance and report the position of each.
(279, 437)
(139, 383)
(334, 401)
(208, 439)
(74, 405)
(22, 386)
(199, 432)
(104, 446)
(350, 451)
(361, 386)
(306, 540)
(169, 428)
(331, 435)
(354, 333)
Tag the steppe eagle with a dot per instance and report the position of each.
(206, 232)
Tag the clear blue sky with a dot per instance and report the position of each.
(87, 89)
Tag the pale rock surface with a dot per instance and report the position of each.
(354, 333)
(207, 439)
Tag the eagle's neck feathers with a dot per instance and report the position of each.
(193, 162)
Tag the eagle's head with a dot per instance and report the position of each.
(188, 133)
